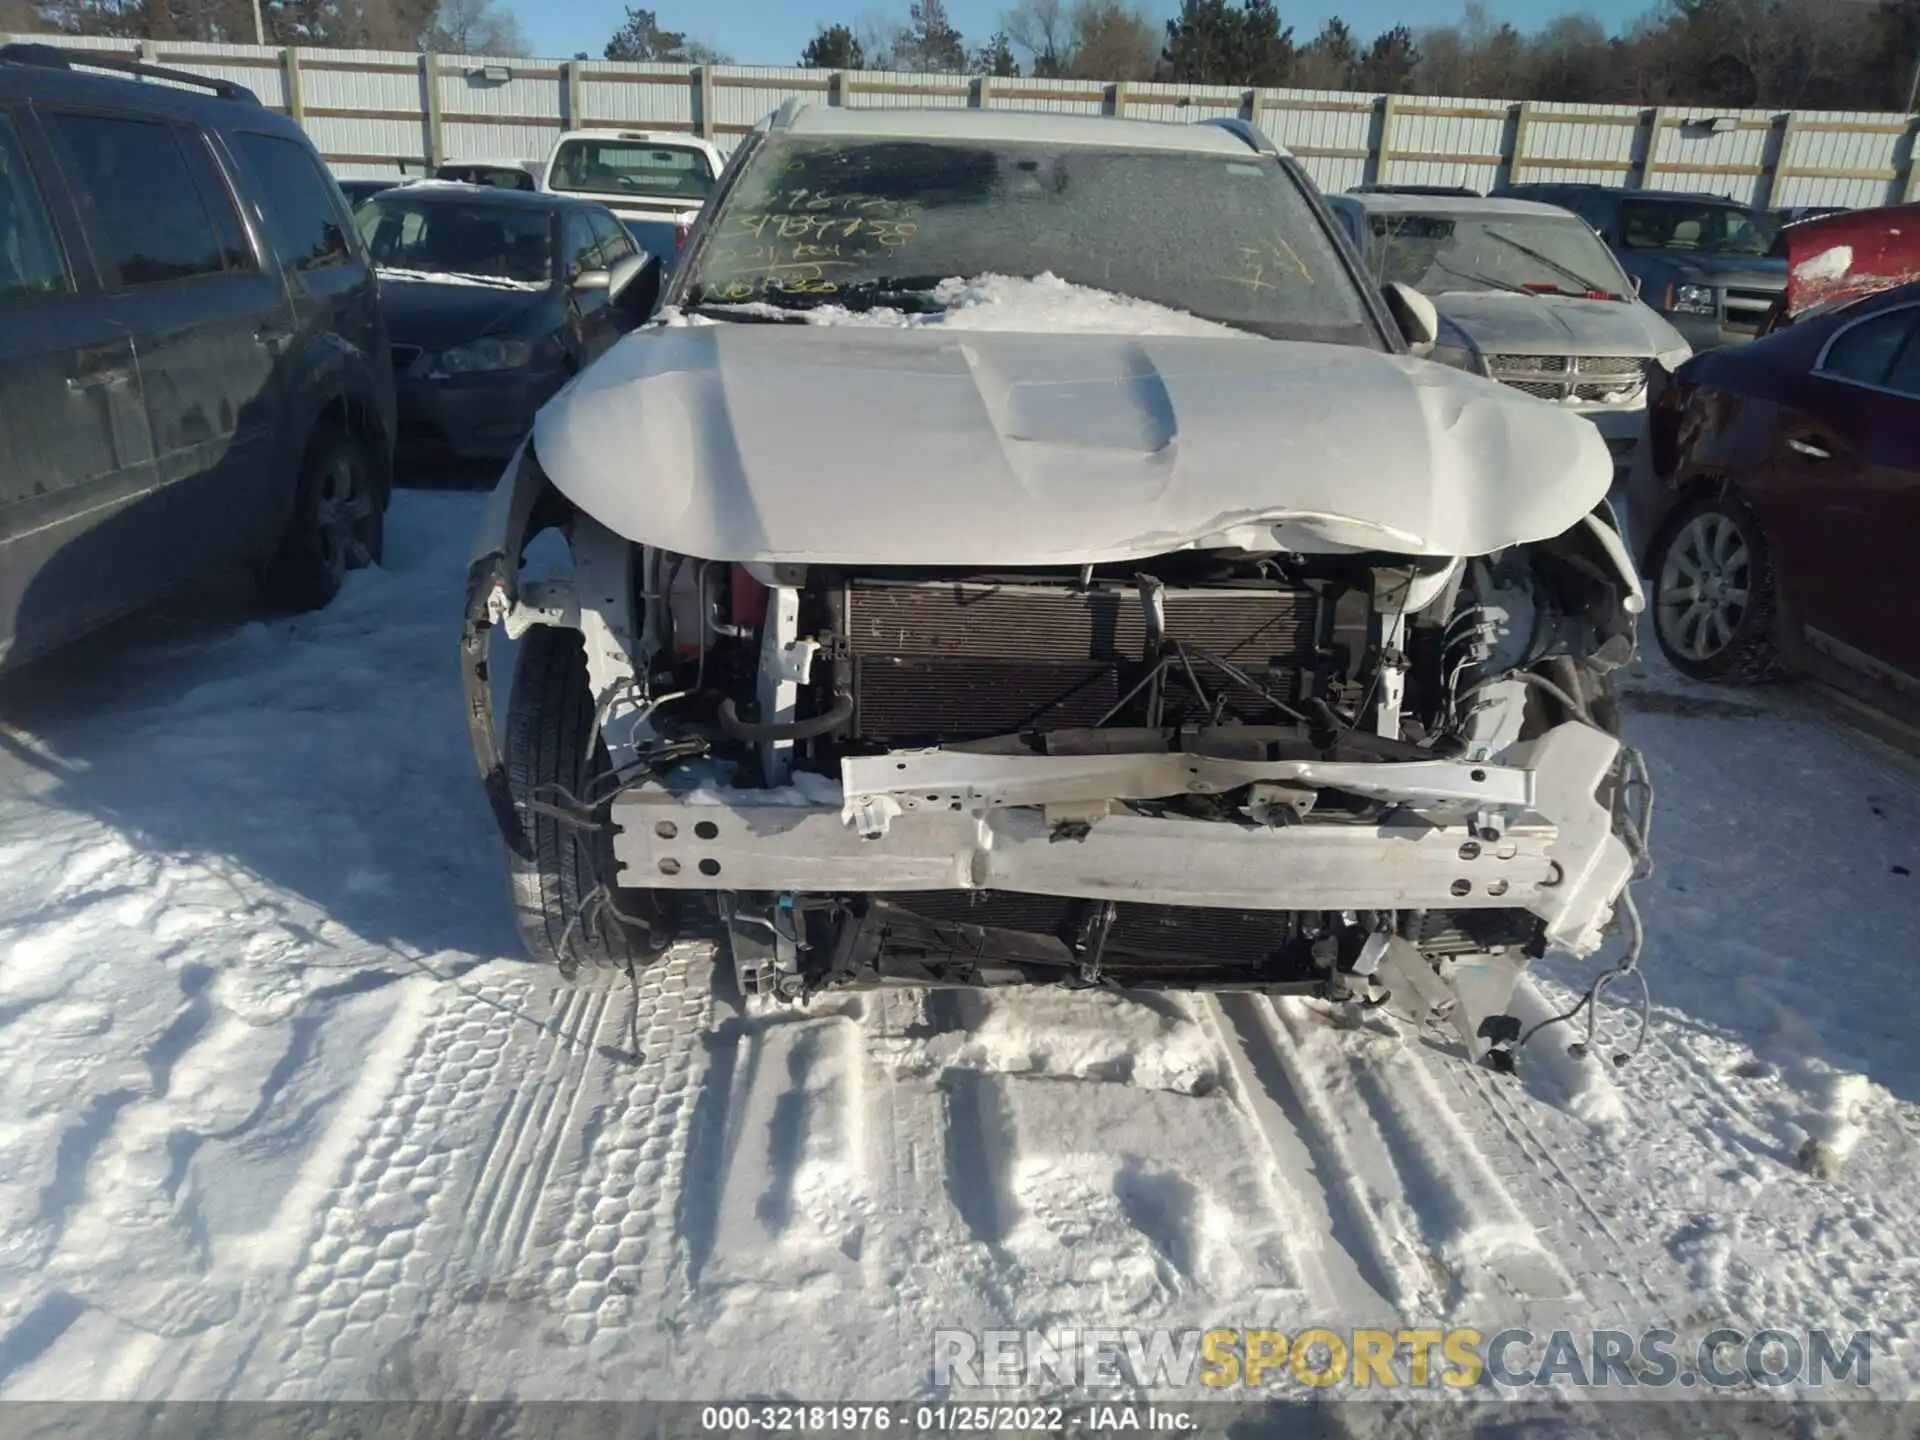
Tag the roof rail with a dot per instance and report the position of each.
(52, 57)
(1251, 135)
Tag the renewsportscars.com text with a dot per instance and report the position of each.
(1415, 1359)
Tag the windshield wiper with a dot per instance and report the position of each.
(1487, 280)
(1582, 281)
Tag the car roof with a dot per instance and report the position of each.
(795, 118)
(436, 192)
(31, 70)
(1376, 203)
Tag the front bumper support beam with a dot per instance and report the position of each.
(1558, 859)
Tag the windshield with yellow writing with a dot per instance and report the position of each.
(1229, 238)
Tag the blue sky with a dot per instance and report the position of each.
(773, 32)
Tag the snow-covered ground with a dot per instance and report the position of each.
(281, 1114)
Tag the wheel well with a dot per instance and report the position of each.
(357, 417)
(1698, 483)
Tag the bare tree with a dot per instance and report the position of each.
(1113, 41)
(476, 27)
(1040, 28)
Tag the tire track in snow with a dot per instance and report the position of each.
(1423, 1215)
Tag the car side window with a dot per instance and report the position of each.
(582, 250)
(1904, 375)
(1866, 351)
(614, 242)
(218, 199)
(297, 203)
(147, 216)
(30, 262)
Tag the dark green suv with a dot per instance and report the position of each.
(194, 372)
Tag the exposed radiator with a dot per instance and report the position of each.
(1220, 938)
(946, 661)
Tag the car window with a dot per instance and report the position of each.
(1442, 250)
(218, 199)
(582, 247)
(148, 220)
(1904, 375)
(296, 201)
(453, 241)
(1229, 237)
(30, 262)
(636, 168)
(1709, 226)
(615, 243)
(1866, 351)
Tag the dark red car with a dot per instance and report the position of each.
(1779, 518)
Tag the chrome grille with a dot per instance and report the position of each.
(1502, 365)
(1747, 308)
(1585, 379)
(1612, 365)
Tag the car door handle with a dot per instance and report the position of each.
(1809, 449)
(275, 338)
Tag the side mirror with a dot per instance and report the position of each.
(635, 283)
(592, 281)
(1419, 322)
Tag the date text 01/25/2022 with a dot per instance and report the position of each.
(926, 1419)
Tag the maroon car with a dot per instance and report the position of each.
(1780, 516)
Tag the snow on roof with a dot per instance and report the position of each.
(999, 124)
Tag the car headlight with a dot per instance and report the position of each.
(1692, 300)
(1459, 357)
(492, 353)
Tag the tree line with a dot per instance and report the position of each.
(1808, 54)
(1814, 54)
(462, 27)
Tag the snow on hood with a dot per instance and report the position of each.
(1501, 323)
(1045, 304)
(919, 445)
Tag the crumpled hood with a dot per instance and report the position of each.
(1499, 323)
(915, 447)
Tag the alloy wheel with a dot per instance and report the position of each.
(1706, 585)
(346, 511)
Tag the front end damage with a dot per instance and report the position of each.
(1370, 777)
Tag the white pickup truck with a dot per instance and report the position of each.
(654, 181)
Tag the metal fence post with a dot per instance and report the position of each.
(290, 69)
(1910, 191)
(1773, 177)
(570, 77)
(703, 98)
(430, 87)
(1522, 122)
(1388, 107)
(1649, 157)
(1119, 97)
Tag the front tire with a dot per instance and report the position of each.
(572, 914)
(338, 523)
(1714, 597)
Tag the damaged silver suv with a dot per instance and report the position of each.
(1023, 548)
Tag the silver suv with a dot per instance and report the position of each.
(1023, 548)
